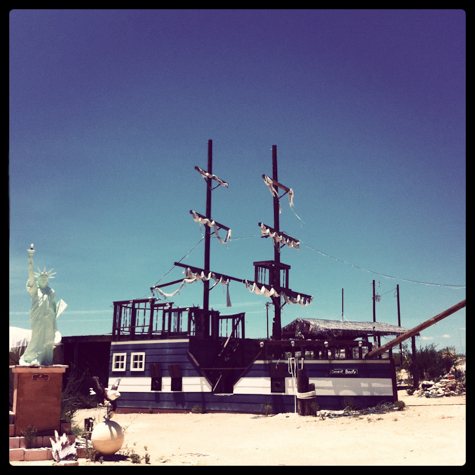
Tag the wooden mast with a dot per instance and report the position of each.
(279, 283)
(207, 230)
(276, 324)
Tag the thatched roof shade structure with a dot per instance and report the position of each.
(316, 329)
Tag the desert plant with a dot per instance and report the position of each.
(91, 454)
(29, 433)
(267, 408)
(72, 397)
(430, 363)
(349, 404)
(198, 409)
(135, 458)
(400, 405)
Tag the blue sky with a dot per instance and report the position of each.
(111, 110)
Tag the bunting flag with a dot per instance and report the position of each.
(205, 175)
(280, 238)
(212, 224)
(270, 183)
(303, 301)
(271, 292)
(186, 280)
(191, 277)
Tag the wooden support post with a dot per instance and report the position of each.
(305, 407)
(399, 323)
(415, 373)
(114, 323)
(302, 387)
(150, 322)
(393, 375)
(132, 321)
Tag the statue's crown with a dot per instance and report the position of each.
(48, 274)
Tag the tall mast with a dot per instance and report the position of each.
(278, 272)
(208, 229)
(276, 324)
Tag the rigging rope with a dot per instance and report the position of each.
(453, 286)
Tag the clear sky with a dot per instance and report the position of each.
(111, 110)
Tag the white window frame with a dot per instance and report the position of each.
(140, 361)
(117, 363)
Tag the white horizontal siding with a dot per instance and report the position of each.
(143, 385)
(353, 386)
(323, 387)
(253, 386)
(262, 385)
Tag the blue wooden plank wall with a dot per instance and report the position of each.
(367, 382)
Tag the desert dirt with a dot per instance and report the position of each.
(429, 431)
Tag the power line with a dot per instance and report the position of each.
(412, 281)
(452, 286)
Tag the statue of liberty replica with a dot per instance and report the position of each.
(43, 314)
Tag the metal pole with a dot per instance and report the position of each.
(399, 322)
(374, 308)
(342, 303)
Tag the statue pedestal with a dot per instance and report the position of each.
(37, 397)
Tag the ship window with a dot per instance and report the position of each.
(277, 377)
(137, 362)
(156, 376)
(118, 361)
(175, 374)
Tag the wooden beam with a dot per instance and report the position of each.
(213, 177)
(276, 183)
(416, 330)
(221, 226)
(288, 292)
(278, 232)
(166, 285)
(217, 274)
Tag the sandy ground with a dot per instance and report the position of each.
(427, 432)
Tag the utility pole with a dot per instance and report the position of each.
(399, 323)
(342, 304)
(374, 308)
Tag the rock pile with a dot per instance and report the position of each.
(381, 408)
(447, 386)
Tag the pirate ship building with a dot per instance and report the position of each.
(182, 358)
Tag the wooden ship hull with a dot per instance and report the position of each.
(172, 380)
(181, 359)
